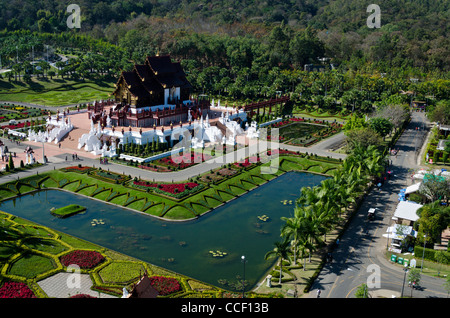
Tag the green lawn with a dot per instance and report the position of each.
(68, 210)
(55, 92)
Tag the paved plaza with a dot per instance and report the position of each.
(66, 285)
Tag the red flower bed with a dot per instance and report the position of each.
(186, 160)
(280, 138)
(84, 259)
(165, 285)
(17, 126)
(16, 290)
(82, 296)
(247, 162)
(76, 168)
(281, 152)
(169, 188)
(288, 121)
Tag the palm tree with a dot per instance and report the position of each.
(323, 219)
(281, 251)
(327, 193)
(308, 195)
(17, 69)
(312, 227)
(292, 229)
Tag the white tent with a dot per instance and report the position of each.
(399, 232)
(413, 188)
(406, 210)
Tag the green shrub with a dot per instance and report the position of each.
(430, 254)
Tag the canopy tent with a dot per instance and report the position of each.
(413, 188)
(429, 174)
(406, 210)
(399, 232)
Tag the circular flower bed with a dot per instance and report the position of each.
(165, 285)
(84, 259)
(16, 290)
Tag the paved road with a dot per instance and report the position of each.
(38, 105)
(362, 245)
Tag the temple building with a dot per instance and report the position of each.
(156, 93)
(157, 82)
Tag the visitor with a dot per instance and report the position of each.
(318, 293)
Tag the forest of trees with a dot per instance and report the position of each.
(247, 50)
(413, 33)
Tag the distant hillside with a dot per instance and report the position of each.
(346, 15)
(414, 33)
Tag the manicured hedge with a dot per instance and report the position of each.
(430, 254)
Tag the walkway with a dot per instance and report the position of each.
(62, 157)
(66, 285)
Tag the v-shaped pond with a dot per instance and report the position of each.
(208, 248)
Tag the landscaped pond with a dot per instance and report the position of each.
(208, 248)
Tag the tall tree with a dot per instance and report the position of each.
(281, 251)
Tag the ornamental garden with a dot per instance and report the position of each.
(30, 252)
(172, 201)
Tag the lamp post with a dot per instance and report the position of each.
(404, 278)
(423, 254)
(243, 280)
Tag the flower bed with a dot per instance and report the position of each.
(16, 126)
(176, 190)
(218, 175)
(79, 169)
(165, 285)
(247, 162)
(16, 290)
(281, 152)
(84, 259)
(82, 296)
(109, 176)
(156, 168)
(287, 122)
(183, 161)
